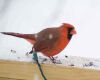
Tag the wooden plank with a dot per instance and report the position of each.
(5, 78)
(17, 70)
(14, 70)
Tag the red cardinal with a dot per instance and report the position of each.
(50, 41)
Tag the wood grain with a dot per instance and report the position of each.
(14, 70)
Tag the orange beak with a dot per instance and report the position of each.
(73, 32)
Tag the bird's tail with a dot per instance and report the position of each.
(29, 37)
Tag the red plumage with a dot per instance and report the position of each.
(50, 41)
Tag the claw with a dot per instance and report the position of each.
(52, 59)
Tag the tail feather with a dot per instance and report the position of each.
(29, 37)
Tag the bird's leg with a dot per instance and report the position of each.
(29, 52)
(52, 59)
(35, 57)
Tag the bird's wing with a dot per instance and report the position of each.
(46, 39)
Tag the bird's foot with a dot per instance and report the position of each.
(53, 60)
(27, 54)
(31, 52)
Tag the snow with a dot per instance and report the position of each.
(72, 61)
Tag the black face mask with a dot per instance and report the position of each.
(69, 35)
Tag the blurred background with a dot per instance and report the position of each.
(31, 16)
